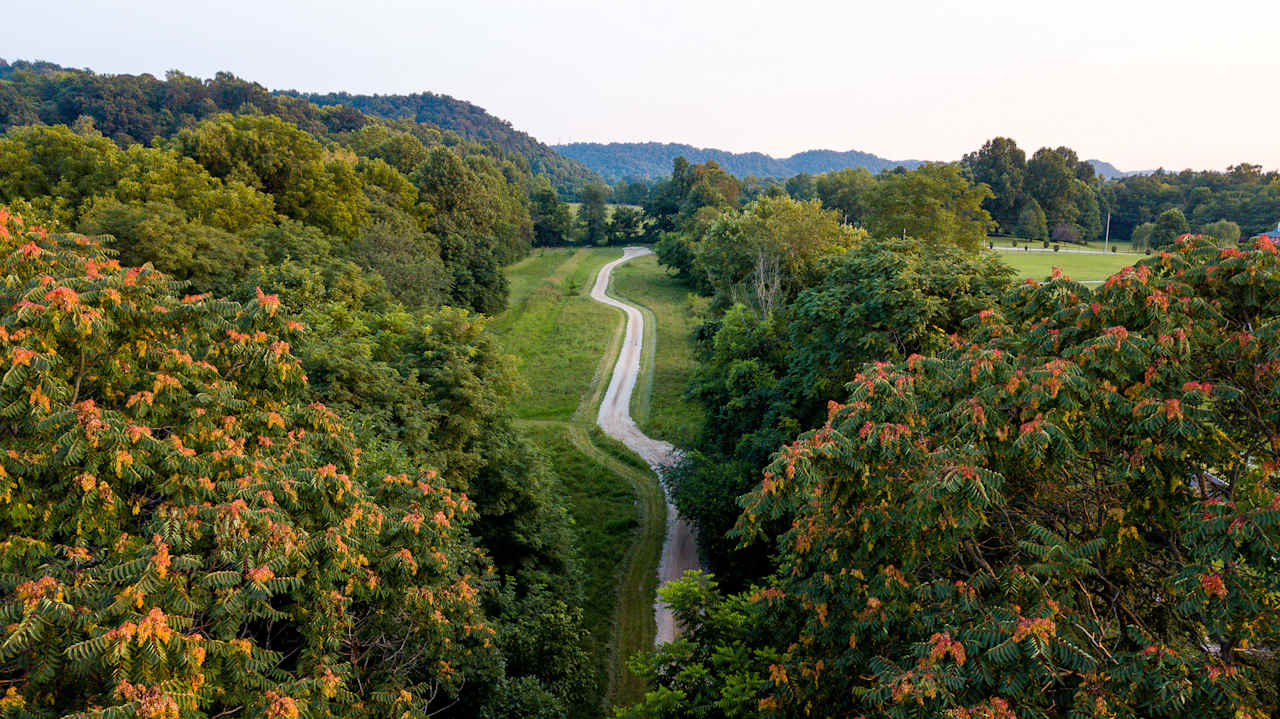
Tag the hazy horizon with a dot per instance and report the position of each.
(1140, 86)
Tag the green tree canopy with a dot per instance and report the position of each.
(186, 535)
(934, 203)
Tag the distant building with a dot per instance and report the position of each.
(1273, 234)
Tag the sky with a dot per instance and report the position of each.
(1136, 83)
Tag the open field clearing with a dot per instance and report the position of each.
(1077, 266)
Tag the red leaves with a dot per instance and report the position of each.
(280, 706)
(1213, 585)
(260, 575)
(1041, 628)
(943, 645)
(1204, 388)
(270, 303)
(1119, 334)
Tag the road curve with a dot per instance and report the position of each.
(679, 553)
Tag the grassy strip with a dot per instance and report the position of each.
(1079, 267)
(601, 496)
(633, 618)
(659, 405)
(556, 332)
(566, 345)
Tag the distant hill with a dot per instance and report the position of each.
(138, 108)
(469, 121)
(651, 160)
(1109, 171)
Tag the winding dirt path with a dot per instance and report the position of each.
(679, 553)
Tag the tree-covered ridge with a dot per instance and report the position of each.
(566, 174)
(652, 160)
(139, 108)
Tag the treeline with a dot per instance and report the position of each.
(1054, 195)
(594, 223)
(649, 161)
(567, 175)
(138, 108)
(258, 458)
(927, 490)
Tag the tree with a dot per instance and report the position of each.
(1171, 225)
(1225, 232)
(624, 225)
(764, 379)
(771, 250)
(1002, 166)
(187, 535)
(801, 187)
(934, 203)
(846, 191)
(1071, 509)
(206, 258)
(1032, 224)
(552, 223)
(593, 214)
(282, 160)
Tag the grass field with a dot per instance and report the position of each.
(1079, 267)
(565, 346)
(557, 333)
(659, 406)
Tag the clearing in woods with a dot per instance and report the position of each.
(1078, 266)
(565, 346)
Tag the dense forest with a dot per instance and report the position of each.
(925, 489)
(138, 108)
(259, 458)
(567, 175)
(649, 161)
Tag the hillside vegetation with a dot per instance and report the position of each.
(297, 411)
(652, 160)
(566, 174)
(261, 451)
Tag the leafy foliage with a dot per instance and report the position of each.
(566, 175)
(1071, 510)
(765, 378)
(185, 533)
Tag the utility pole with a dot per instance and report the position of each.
(1108, 240)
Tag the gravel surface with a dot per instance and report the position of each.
(679, 553)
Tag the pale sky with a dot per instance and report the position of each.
(1140, 84)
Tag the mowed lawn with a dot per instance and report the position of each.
(659, 406)
(557, 333)
(1079, 267)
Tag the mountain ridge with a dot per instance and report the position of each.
(651, 160)
(470, 121)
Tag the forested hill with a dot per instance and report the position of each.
(1111, 172)
(470, 121)
(652, 160)
(139, 108)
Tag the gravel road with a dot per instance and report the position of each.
(679, 553)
